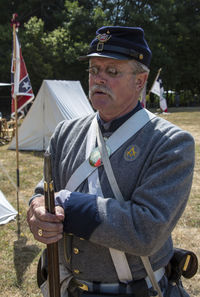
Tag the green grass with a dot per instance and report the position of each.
(19, 255)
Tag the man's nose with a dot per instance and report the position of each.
(100, 77)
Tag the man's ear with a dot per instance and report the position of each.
(141, 79)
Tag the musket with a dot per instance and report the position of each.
(52, 248)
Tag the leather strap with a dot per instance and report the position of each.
(118, 257)
(117, 139)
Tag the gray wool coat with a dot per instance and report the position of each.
(155, 185)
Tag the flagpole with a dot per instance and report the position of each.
(16, 129)
(159, 70)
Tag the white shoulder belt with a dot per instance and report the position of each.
(117, 139)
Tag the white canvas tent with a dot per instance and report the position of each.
(55, 101)
(7, 212)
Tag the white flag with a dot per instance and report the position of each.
(158, 90)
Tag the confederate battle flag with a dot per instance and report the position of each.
(20, 82)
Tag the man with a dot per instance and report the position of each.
(152, 161)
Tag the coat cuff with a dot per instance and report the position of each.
(33, 197)
(81, 212)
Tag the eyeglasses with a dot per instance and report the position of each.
(110, 71)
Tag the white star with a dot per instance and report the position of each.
(26, 85)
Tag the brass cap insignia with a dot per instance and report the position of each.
(102, 39)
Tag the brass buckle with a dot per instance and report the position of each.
(100, 46)
(83, 287)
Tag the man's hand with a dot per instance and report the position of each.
(46, 227)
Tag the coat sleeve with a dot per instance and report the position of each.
(141, 225)
(39, 189)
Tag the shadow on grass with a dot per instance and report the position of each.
(23, 257)
(39, 154)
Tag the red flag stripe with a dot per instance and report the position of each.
(20, 82)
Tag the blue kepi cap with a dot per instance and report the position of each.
(123, 43)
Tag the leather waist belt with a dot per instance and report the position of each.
(116, 288)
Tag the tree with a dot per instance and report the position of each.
(53, 33)
(187, 47)
(34, 51)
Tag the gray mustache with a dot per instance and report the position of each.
(103, 89)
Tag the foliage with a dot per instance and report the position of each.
(54, 33)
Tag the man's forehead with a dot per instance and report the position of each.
(107, 61)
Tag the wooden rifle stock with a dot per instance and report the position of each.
(52, 249)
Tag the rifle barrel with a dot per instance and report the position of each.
(52, 249)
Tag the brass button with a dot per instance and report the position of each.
(141, 56)
(76, 271)
(76, 251)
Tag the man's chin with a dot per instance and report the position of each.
(100, 102)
